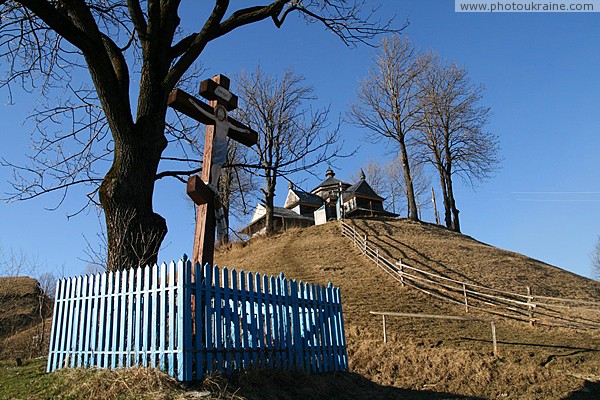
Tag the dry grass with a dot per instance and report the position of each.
(131, 383)
(437, 356)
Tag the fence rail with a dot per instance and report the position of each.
(193, 322)
(552, 311)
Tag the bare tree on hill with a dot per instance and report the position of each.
(136, 52)
(595, 256)
(452, 135)
(387, 106)
(291, 136)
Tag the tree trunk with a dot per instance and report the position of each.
(447, 210)
(455, 226)
(410, 191)
(135, 232)
(269, 205)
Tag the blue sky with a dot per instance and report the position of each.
(541, 75)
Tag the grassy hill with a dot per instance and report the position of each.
(438, 356)
(423, 359)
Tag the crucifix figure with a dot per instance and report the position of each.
(219, 126)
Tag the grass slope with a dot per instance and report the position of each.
(437, 356)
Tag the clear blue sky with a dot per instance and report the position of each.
(542, 80)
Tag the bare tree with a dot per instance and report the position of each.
(375, 175)
(595, 257)
(452, 131)
(237, 186)
(291, 136)
(121, 43)
(387, 105)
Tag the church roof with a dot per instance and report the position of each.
(361, 189)
(308, 198)
(331, 181)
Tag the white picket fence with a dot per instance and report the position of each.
(191, 323)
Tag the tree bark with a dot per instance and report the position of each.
(410, 191)
(134, 230)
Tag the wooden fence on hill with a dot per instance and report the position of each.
(189, 325)
(543, 310)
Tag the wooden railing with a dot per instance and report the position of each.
(544, 310)
(437, 316)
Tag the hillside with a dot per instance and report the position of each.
(438, 356)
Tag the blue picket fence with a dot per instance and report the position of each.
(191, 323)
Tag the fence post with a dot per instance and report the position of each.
(384, 331)
(365, 248)
(494, 341)
(377, 257)
(401, 267)
(530, 306)
(466, 300)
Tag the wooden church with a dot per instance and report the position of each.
(332, 199)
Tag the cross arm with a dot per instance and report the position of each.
(180, 100)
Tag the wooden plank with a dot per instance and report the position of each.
(171, 339)
(320, 329)
(244, 317)
(80, 324)
(268, 350)
(218, 307)
(282, 317)
(432, 316)
(275, 322)
(252, 320)
(56, 332)
(114, 348)
(344, 351)
(138, 316)
(155, 321)
(227, 322)
(329, 366)
(208, 315)
(106, 332)
(130, 318)
(164, 301)
(296, 361)
(199, 322)
(305, 312)
(260, 314)
(286, 304)
(145, 317)
(237, 344)
(122, 317)
(102, 321)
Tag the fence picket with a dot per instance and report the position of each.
(192, 324)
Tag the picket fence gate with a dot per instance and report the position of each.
(192, 324)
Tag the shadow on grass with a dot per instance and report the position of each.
(590, 390)
(281, 385)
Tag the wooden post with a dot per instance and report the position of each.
(377, 257)
(365, 249)
(401, 267)
(530, 306)
(494, 341)
(384, 330)
(466, 300)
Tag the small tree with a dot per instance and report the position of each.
(452, 135)
(595, 257)
(387, 105)
(291, 137)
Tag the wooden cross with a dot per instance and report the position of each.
(219, 126)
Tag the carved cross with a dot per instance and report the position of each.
(219, 126)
